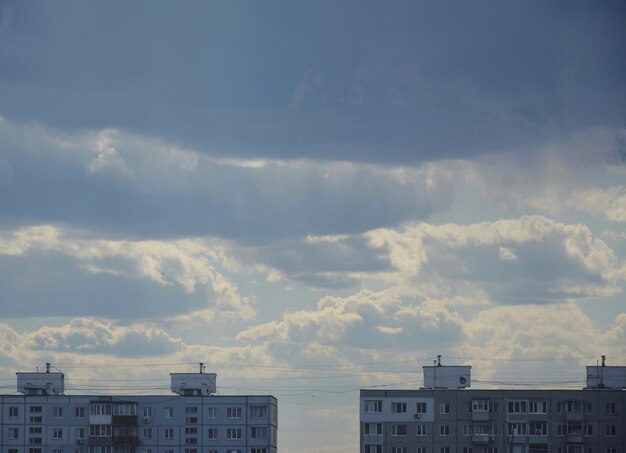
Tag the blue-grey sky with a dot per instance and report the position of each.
(329, 191)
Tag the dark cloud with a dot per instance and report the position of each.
(129, 186)
(399, 82)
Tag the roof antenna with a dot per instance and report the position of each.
(201, 367)
(47, 367)
(438, 359)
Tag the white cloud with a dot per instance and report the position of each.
(187, 263)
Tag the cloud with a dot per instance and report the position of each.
(363, 319)
(93, 336)
(551, 261)
(344, 94)
(133, 185)
(69, 267)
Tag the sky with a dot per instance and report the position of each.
(311, 197)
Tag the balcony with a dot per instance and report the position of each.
(516, 417)
(480, 416)
(126, 440)
(574, 438)
(376, 439)
(481, 438)
(98, 441)
(574, 416)
(124, 420)
(517, 439)
(538, 439)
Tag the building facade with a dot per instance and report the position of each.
(44, 420)
(451, 419)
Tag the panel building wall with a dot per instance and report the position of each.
(492, 421)
(138, 424)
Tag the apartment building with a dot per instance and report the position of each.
(191, 420)
(447, 417)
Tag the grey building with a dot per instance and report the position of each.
(447, 417)
(193, 420)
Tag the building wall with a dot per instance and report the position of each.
(451, 425)
(163, 424)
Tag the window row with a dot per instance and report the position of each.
(256, 432)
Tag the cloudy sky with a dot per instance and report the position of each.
(311, 197)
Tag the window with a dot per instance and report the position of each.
(611, 450)
(34, 450)
(100, 430)
(146, 450)
(170, 450)
(169, 433)
(57, 433)
(495, 430)
(467, 449)
(79, 433)
(57, 450)
(258, 432)
(421, 450)
(398, 449)
(574, 449)
(517, 407)
(398, 430)
(467, 429)
(493, 406)
(492, 450)
(210, 450)
(611, 409)
(373, 405)
(421, 430)
(480, 405)
(14, 433)
(233, 412)
(421, 408)
(147, 412)
(147, 433)
(588, 430)
(191, 409)
(35, 430)
(212, 412)
(517, 429)
(444, 450)
(561, 429)
(233, 433)
(258, 411)
(169, 412)
(574, 406)
(538, 407)
(258, 450)
(373, 449)
(191, 430)
(444, 430)
(375, 429)
(100, 409)
(575, 428)
(13, 450)
(233, 450)
(14, 411)
(57, 412)
(79, 412)
(444, 407)
(35, 409)
(538, 428)
(212, 433)
(398, 408)
(191, 420)
(611, 431)
(125, 409)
